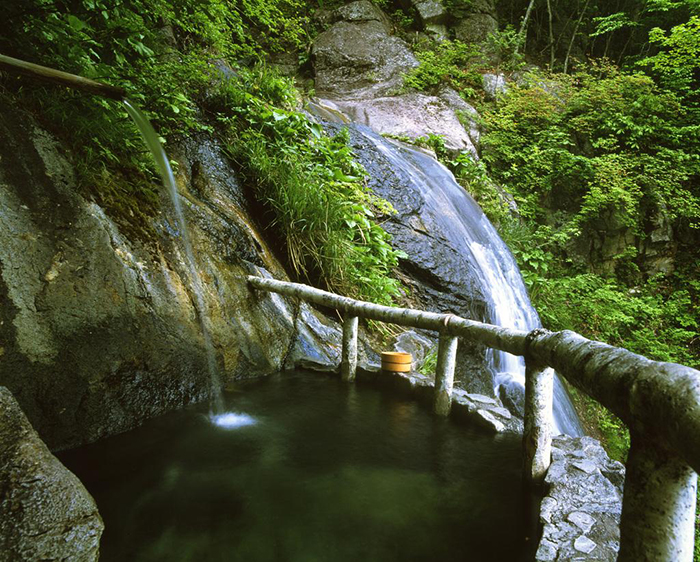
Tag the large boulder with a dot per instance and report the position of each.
(475, 28)
(357, 57)
(430, 11)
(99, 330)
(45, 512)
(414, 115)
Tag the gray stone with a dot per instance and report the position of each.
(581, 501)
(417, 345)
(411, 115)
(107, 322)
(318, 342)
(430, 11)
(586, 466)
(437, 31)
(584, 544)
(45, 512)
(484, 412)
(582, 520)
(475, 28)
(494, 85)
(512, 394)
(467, 114)
(546, 551)
(359, 59)
(362, 11)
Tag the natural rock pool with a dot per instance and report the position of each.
(310, 469)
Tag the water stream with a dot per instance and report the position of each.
(465, 227)
(421, 187)
(152, 141)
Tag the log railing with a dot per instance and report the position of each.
(659, 402)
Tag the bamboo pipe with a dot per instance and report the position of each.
(62, 78)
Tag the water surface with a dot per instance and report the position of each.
(307, 469)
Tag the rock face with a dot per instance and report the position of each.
(440, 269)
(97, 331)
(45, 512)
(414, 115)
(581, 512)
(359, 68)
(475, 28)
(357, 57)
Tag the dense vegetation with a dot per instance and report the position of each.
(600, 152)
(167, 55)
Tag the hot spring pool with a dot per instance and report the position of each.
(306, 469)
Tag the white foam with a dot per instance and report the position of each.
(231, 420)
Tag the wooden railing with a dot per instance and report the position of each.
(659, 402)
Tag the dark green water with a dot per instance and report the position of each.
(329, 472)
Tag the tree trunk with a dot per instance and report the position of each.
(523, 28)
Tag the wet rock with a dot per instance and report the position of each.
(416, 344)
(441, 277)
(512, 395)
(45, 512)
(358, 58)
(581, 512)
(362, 11)
(100, 330)
(485, 412)
(414, 115)
(318, 344)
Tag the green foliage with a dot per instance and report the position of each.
(601, 145)
(657, 320)
(429, 366)
(678, 61)
(613, 434)
(611, 23)
(312, 186)
(504, 46)
(446, 63)
(473, 176)
(160, 52)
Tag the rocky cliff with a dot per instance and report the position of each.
(97, 331)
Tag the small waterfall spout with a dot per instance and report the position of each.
(151, 139)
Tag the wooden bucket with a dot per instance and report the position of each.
(396, 362)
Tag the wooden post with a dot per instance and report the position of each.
(537, 436)
(658, 509)
(348, 364)
(62, 78)
(445, 374)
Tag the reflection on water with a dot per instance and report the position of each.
(325, 472)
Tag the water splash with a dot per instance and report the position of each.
(152, 141)
(232, 420)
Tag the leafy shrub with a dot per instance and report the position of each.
(312, 186)
(160, 52)
(446, 63)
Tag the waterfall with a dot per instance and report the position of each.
(415, 182)
(151, 139)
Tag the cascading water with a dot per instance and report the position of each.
(461, 225)
(151, 139)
